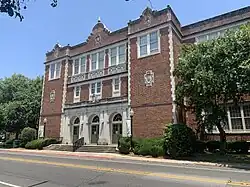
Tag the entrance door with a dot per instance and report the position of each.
(94, 133)
(75, 133)
(116, 132)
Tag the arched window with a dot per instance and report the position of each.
(95, 119)
(117, 118)
(77, 121)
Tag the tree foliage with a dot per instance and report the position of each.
(212, 74)
(14, 7)
(20, 102)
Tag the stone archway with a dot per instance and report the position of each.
(94, 129)
(116, 128)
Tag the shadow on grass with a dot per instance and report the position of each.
(238, 161)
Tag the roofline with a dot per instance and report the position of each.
(218, 17)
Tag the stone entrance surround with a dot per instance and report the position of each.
(86, 115)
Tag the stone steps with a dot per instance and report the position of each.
(97, 149)
(59, 147)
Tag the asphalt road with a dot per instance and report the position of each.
(28, 170)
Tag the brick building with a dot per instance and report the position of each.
(91, 88)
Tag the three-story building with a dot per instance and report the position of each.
(92, 89)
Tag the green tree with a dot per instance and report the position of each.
(14, 7)
(20, 101)
(212, 74)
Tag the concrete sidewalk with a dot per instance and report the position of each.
(113, 156)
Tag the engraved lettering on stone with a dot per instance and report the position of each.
(149, 78)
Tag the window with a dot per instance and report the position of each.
(236, 120)
(113, 55)
(77, 91)
(149, 44)
(54, 71)
(117, 55)
(116, 87)
(101, 60)
(121, 54)
(94, 61)
(246, 110)
(95, 90)
(76, 66)
(79, 66)
(97, 60)
(83, 65)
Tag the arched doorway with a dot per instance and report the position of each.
(116, 128)
(76, 126)
(95, 129)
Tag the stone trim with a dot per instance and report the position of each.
(172, 78)
(41, 109)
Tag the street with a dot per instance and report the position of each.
(28, 170)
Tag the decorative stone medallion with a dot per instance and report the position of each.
(149, 78)
(98, 39)
(52, 96)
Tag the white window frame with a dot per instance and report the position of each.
(97, 95)
(55, 70)
(149, 53)
(80, 64)
(97, 60)
(231, 130)
(116, 93)
(118, 54)
(77, 97)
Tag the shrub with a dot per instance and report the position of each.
(156, 151)
(9, 143)
(35, 144)
(200, 146)
(179, 140)
(212, 146)
(49, 141)
(40, 143)
(238, 147)
(28, 134)
(124, 145)
(148, 146)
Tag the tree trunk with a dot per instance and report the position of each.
(17, 133)
(222, 139)
(202, 132)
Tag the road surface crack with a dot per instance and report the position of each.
(37, 184)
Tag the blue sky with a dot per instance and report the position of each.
(23, 44)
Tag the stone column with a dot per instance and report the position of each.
(86, 130)
(124, 124)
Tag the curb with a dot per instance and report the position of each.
(112, 156)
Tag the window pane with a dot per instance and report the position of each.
(116, 84)
(121, 53)
(237, 124)
(58, 67)
(113, 56)
(247, 123)
(76, 66)
(153, 42)
(143, 50)
(101, 60)
(52, 71)
(83, 65)
(98, 89)
(77, 91)
(143, 40)
(246, 110)
(93, 62)
(235, 112)
(92, 88)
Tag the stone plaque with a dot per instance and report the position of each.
(149, 78)
(52, 96)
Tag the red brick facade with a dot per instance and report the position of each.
(153, 105)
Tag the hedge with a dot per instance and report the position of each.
(124, 145)
(28, 134)
(40, 143)
(238, 147)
